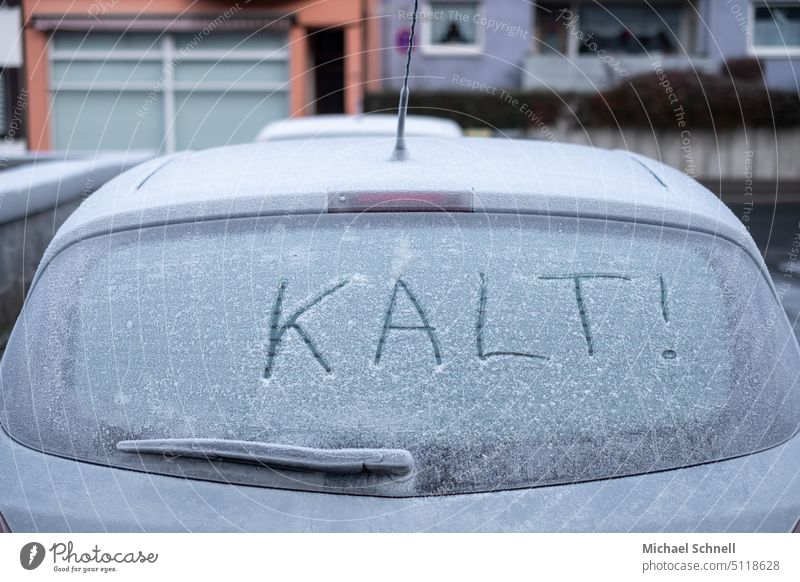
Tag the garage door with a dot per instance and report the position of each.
(176, 91)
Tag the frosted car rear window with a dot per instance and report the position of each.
(501, 351)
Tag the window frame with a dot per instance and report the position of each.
(430, 48)
(786, 51)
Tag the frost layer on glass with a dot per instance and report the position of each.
(501, 351)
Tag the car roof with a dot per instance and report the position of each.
(501, 175)
(375, 124)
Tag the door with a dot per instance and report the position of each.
(327, 51)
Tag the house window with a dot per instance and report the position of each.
(632, 29)
(451, 28)
(777, 27)
(167, 92)
(616, 28)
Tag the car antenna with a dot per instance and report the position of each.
(400, 152)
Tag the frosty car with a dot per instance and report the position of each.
(371, 124)
(491, 335)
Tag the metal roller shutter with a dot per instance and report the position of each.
(165, 91)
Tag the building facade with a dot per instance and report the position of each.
(487, 41)
(188, 74)
(589, 45)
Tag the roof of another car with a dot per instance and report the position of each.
(46, 181)
(376, 124)
(509, 176)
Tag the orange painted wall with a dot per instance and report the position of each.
(361, 68)
(298, 65)
(309, 13)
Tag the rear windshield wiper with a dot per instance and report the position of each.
(337, 461)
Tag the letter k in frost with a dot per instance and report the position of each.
(276, 330)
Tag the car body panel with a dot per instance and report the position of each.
(758, 492)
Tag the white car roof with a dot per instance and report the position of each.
(373, 124)
(502, 176)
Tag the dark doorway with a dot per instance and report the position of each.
(327, 57)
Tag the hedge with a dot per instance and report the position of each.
(700, 101)
(650, 100)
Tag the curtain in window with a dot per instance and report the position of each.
(453, 23)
